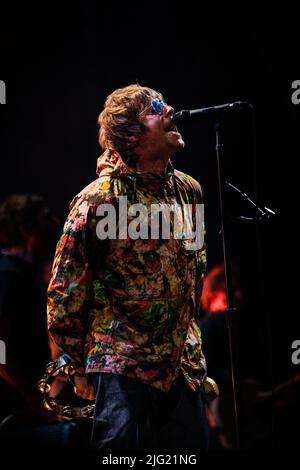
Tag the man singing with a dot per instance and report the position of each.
(125, 308)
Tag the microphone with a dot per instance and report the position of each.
(186, 115)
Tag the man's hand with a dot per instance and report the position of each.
(83, 389)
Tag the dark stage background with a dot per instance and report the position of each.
(59, 68)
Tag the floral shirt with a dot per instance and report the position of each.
(128, 306)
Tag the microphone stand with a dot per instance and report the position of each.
(262, 214)
(228, 278)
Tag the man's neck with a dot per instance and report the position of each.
(152, 166)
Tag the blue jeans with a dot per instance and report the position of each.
(130, 415)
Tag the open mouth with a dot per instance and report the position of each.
(171, 128)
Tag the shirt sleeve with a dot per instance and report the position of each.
(192, 361)
(201, 258)
(69, 291)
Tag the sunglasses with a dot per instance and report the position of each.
(156, 106)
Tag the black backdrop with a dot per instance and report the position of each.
(59, 67)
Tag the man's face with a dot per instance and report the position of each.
(162, 139)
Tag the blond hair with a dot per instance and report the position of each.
(119, 121)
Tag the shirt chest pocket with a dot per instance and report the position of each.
(143, 276)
